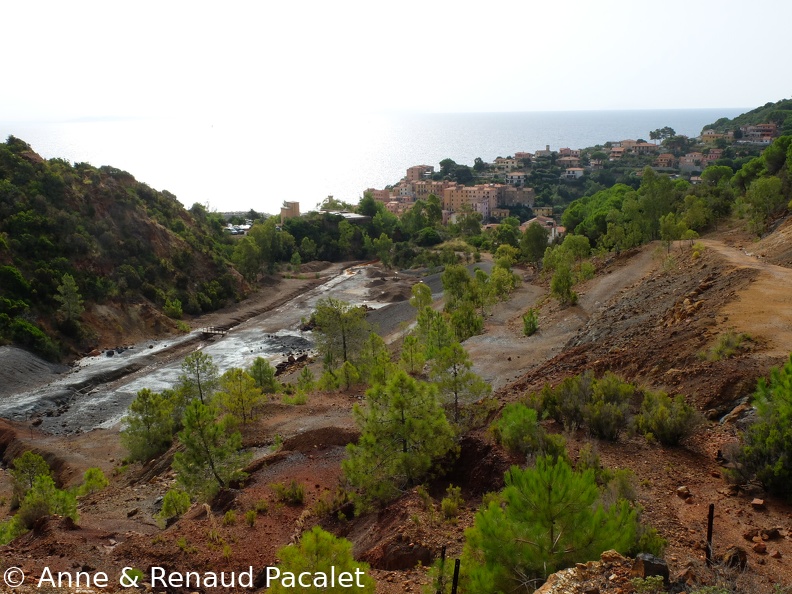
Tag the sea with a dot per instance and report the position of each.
(238, 163)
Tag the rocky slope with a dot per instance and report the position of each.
(643, 316)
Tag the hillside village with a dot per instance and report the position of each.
(503, 183)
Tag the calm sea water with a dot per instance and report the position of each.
(236, 164)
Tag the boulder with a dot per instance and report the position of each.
(612, 556)
(647, 565)
(735, 558)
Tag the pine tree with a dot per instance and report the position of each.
(412, 355)
(26, 469)
(199, 377)
(306, 381)
(551, 518)
(69, 297)
(403, 431)
(348, 375)
(341, 331)
(421, 296)
(211, 458)
(148, 430)
(264, 375)
(465, 322)
(375, 361)
(767, 452)
(451, 373)
(433, 331)
(239, 394)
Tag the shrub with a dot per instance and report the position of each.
(669, 421)
(306, 380)
(530, 322)
(620, 485)
(728, 345)
(450, 504)
(329, 382)
(648, 540)
(649, 585)
(93, 480)
(296, 400)
(173, 309)
(606, 415)
(264, 375)
(403, 431)
(293, 493)
(174, 504)
(148, 430)
(565, 404)
(316, 553)
(250, 517)
(134, 575)
(518, 430)
(586, 271)
(185, 546)
(212, 458)
(10, 529)
(561, 286)
(229, 519)
(45, 499)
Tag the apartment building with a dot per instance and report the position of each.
(419, 172)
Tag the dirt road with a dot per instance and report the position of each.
(764, 309)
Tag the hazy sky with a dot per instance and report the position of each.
(89, 59)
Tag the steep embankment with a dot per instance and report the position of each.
(129, 249)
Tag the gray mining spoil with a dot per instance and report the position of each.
(96, 391)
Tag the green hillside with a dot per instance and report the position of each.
(779, 112)
(121, 241)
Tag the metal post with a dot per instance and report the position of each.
(456, 577)
(441, 579)
(710, 519)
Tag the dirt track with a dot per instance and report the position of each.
(503, 353)
(764, 308)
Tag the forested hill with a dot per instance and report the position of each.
(117, 239)
(779, 112)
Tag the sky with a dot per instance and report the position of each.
(181, 94)
(99, 59)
